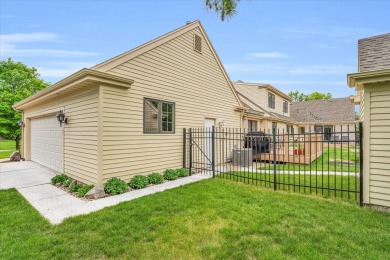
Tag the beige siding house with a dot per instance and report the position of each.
(372, 82)
(335, 118)
(266, 108)
(126, 115)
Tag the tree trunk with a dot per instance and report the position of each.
(17, 141)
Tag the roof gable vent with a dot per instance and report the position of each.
(197, 43)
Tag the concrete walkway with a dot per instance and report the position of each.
(33, 182)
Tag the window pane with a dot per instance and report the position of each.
(167, 117)
(151, 116)
(271, 100)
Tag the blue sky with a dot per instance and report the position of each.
(294, 45)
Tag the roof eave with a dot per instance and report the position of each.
(359, 79)
(271, 88)
(81, 76)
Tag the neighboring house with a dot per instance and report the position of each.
(266, 108)
(372, 84)
(126, 116)
(333, 117)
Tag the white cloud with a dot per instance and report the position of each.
(327, 31)
(28, 37)
(61, 70)
(9, 46)
(273, 68)
(269, 55)
(305, 82)
(258, 68)
(45, 52)
(8, 16)
(324, 46)
(322, 70)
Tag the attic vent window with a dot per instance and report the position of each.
(197, 43)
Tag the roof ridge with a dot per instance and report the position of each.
(319, 100)
(101, 64)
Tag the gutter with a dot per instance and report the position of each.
(358, 79)
(83, 75)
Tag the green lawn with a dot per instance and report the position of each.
(333, 159)
(344, 187)
(9, 146)
(212, 219)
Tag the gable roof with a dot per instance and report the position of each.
(252, 87)
(131, 54)
(247, 93)
(98, 73)
(374, 53)
(328, 110)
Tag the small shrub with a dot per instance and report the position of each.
(82, 191)
(139, 182)
(75, 187)
(183, 172)
(115, 186)
(58, 179)
(170, 174)
(155, 178)
(67, 182)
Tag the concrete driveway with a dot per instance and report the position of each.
(33, 182)
(22, 175)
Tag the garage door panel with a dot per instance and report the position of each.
(47, 142)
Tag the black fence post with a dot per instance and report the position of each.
(361, 161)
(190, 164)
(213, 150)
(274, 143)
(184, 147)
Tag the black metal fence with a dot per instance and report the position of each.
(310, 163)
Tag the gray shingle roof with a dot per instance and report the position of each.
(328, 110)
(374, 53)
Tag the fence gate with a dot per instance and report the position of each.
(323, 163)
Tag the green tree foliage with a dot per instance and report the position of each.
(17, 82)
(225, 8)
(297, 96)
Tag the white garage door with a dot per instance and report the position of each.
(47, 142)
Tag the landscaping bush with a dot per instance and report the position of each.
(67, 182)
(115, 186)
(155, 178)
(170, 174)
(75, 187)
(58, 179)
(82, 191)
(183, 172)
(139, 182)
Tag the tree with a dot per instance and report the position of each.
(17, 82)
(225, 8)
(318, 96)
(296, 96)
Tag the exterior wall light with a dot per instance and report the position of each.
(20, 123)
(61, 118)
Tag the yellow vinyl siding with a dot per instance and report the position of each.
(377, 125)
(80, 134)
(171, 72)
